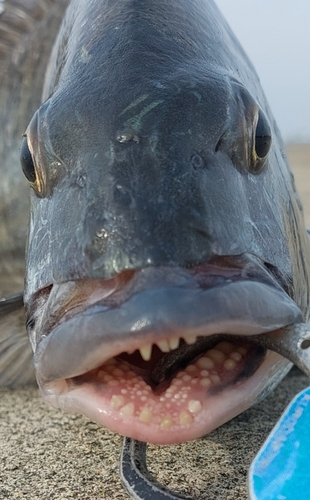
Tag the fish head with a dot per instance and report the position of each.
(165, 232)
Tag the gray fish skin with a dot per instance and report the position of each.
(144, 152)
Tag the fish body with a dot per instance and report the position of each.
(164, 218)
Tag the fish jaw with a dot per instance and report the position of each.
(164, 355)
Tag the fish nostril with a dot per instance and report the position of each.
(81, 180)
(197, 161)
(127, 135)
(217, 147)
(220, 142)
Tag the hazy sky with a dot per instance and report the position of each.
(276, 36)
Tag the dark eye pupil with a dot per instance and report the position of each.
(27, 162)
(262, 136)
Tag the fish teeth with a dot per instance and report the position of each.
(190, 339)
(163, 345)
(146, 352)
(174, 343)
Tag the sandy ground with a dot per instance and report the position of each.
(48, 455)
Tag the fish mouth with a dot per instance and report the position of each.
(163, 354)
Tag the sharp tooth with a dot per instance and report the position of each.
(163, 345)
(146, 352)
(190, 339)
(131, 351)
(174, 343)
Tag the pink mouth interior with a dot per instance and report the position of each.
(190, 405)
(176, 404)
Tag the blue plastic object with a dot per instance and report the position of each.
(281, 469)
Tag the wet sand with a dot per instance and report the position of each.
(48, 455)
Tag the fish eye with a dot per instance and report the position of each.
(27, 164)
(261, 144)
(262, 136)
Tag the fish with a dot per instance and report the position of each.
(166, 235)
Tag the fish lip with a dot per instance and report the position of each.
(86, 340)
(135, 323)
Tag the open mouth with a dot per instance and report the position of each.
(162, 355)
